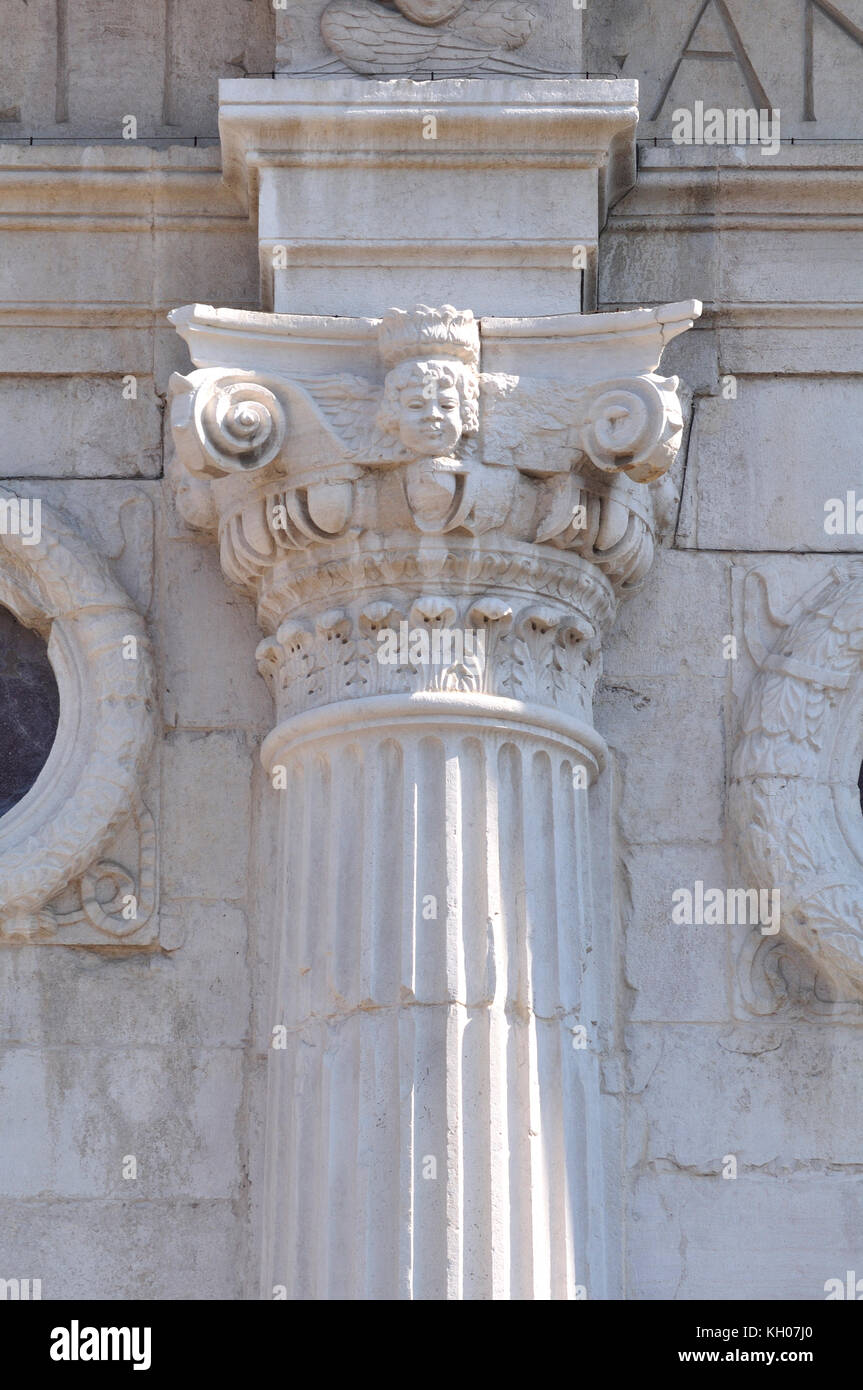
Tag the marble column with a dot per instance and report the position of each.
(437, 517)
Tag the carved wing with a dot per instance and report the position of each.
(630, 424)
(348, 404)
(377, 42)
(530, 425)
(500, 24)
(374, 41)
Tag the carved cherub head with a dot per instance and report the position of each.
(430, 405)
(431, 392)
(429, 11)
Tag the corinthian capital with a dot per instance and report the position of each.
(496, 480)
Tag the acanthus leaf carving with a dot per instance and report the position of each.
(794, 797)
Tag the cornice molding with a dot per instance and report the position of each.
(115, 188)
(567, 122)
(699, 188)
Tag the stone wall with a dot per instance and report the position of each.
(717, 1043)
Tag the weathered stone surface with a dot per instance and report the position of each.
(675, 624)
(197, 996)
(80, 1112)
(680, 973)
(663, 804)
(758, 1237)
(753, 1113)
(125, 1248)
(80, 69)
(205, 852)
(712, 216)
(647, 40)
(78, 411)
(208, 632)
(750, 483)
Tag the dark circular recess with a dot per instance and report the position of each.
(29, 709)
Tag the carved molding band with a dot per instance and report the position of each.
(539, 651)
(794, 797)
(54, 884)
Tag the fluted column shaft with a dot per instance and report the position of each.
(436, 921)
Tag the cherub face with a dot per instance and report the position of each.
(429, 411)
(429, 11)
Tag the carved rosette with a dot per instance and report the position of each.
(502, 515)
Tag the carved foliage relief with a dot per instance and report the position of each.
(78, 851)
(794, 797)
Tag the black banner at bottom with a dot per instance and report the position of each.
(82, 1339)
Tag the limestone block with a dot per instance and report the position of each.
(750, 1108)
(86, 428)
(42, 267)
(79, 69)
(750, 483)
(125, 1249)
(79, 1111)
(194, 997)
(715, 216)
(82, 344)
(753, 1238)
(790, 339)
(643, 264)
(221, 264)
(663, 803)
(208, 631)
(27, 82)
(205, 815)
(136, 36)
(675, 624)
(646, 41)
(679, 972)
(816, 264)
(311, 290)
(206, 41)
(380, 201)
